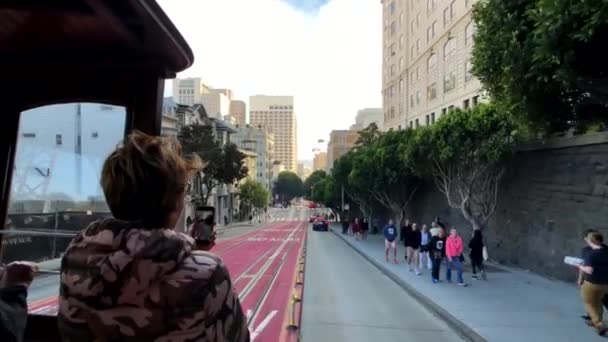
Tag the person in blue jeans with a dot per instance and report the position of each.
(454, 248)
(390, 237)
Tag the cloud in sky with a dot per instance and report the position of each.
(328, 59)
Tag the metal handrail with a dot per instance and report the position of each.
(41, 232)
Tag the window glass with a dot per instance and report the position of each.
(55, 190)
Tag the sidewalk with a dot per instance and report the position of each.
(512, 305)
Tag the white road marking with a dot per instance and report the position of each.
(257, 331)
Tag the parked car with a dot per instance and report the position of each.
(320, 224)
(312, 219)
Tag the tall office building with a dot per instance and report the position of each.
(320, 161)
(276, 113)
(340, 142)
(367, 116)
(426, 66)
(238, 112)
(261, 142)
(189, 91)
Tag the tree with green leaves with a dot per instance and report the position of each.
(466, 154)
(288, 186)
(253, 194)
(368, 135)
(383, 171)
(224, 164)
(312, 180)
(545, 61)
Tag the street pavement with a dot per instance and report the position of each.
(348, 299)
(512, 305)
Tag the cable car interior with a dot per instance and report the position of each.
(80, 64)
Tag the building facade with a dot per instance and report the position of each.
(320, 161)
(367, 116)
(238, 112)
(426, 66)
(188, 91)
(261, 142)
(276, 113)
(216, 103)
(340, 142)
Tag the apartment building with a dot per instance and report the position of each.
(238, 112)
(367, 116)
(189, 91)
(320, 161)
(276, 113)
(261, 142)
(426, 67)
(340, 142)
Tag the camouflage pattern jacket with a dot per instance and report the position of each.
(120, 282)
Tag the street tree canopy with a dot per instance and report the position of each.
(465, 154)
(545, 61)
(254, 194)
(312, 180)
(224, 164)
(288, 186)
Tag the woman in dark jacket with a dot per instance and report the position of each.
(476, 245)
(364, 228)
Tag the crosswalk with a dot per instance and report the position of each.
(284, 219)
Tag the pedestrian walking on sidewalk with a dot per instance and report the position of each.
(356, 228)
(364, 228)
(581, 274)
(404, 232)
(344, 226)
(425, 239)
(595, 284)
(412, 244)
(435, 228)
(390, 237)
(453, 251)
(437, 253)
(476, 245)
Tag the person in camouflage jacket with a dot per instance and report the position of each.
(122, 280)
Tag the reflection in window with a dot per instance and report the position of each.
(55, 184)
(468, 74)
(449, 82)
(431, 62)
(431, 91)
(449, 48)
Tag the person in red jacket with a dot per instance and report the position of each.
(453, 252)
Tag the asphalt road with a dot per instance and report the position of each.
(348, 299)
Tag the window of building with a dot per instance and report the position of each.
(417, 73)
(446, 16)
(391, 7)
(427, 120)
(411, 124)
(469, 32)
(428, 34)
(401, 63)
(468, 75)
(417, 123)
(401, 84)
(431, 5)
(475, 100)
(449, 82)
(450, 108)
(393, 28)
(413, 25)
(400, 108)
(466, 104)
(418, 97)
(58, 139)
(392, 49)
(392, 113)
(452, 10)
(432, 117)
(399, 127)
(412, 100)
(418, 20)
(431, 62)
(418, 46)
(28, 135)
(449, 48)
(401, 16)
(393, 69)
(431, 91)
(401, 40)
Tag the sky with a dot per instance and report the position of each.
(326, 53)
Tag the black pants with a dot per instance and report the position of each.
(436, 266)
(477, 264)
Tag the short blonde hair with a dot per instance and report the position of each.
(145, 178)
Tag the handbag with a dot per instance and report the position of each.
(484, 252)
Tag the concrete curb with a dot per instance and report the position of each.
(460, 327)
